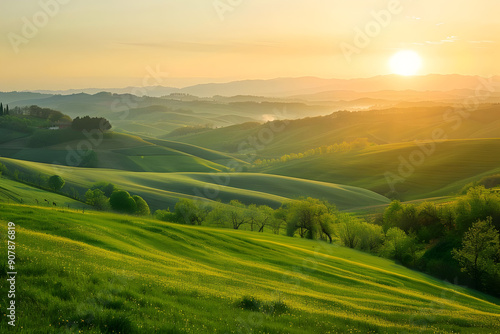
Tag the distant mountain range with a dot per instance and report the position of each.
(286, 87)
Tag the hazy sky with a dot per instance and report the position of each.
(117, 43)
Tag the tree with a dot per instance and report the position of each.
(281, 217)
(165, 215)
(190, 212)
(142, 207)
(392, 215)
(6, 110)
(480, 246)
(305, 216)
(91, 123)
(478, 204)
(396, 243)
(237, 214)
(97, 199)
(121, 201)
(106, 188)
(1, 109)
(370, 237)
(56, 182)
(348, 230)
(264, 217)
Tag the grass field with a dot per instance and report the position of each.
(453, 164)
(162, 190)
(15, 192)
(105, 273)
(125, 152)
(378, 126)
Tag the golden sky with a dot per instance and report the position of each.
(62, 44)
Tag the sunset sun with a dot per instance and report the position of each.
(405, 63)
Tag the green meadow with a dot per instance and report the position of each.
(451, 165)
(106, 273)
(162, 190)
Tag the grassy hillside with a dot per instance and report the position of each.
(15, 192)
(118, 151)
(162, 190)
(379, 126)
(453, 164)
(105, 273)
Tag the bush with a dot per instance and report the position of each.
(250, 303)
(142, 208)
(106, 188)
(56, 182)
(121, 201)
(165, 215)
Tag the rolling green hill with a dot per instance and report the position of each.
(453, 164)
(105, 273)
(378, 126)
(162, 190)
(118, 151)
(15, 192)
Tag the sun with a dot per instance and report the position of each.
(405, 62)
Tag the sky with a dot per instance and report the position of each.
(63, 44)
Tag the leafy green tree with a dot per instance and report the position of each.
(392, 215)
(190, 212)
(348, 230)
(121, 201)
(218, 215)
(480, 247)
(142, 207)
(106, 188)
(478, 204)
(265, 217)
(305, 216)
(165, 215)
(236, 214)
(56, 182)
(327, 225)
(396, 243)
(370, 236)
(1, 109)
(430, 222)
(97, 199)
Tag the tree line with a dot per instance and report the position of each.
(358, 144)
(457, 241)
(4, 110)
(106, 196)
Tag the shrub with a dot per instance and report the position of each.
(56, 182)
(164, 215)
(121, 201)
(142, 208)
(249, 303)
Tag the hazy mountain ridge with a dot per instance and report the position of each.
(283, 87)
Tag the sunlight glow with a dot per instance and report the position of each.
(405, 62)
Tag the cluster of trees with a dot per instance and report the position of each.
(105, 196)
(188, 130)
(46, 113)
(4, 111)
(91, 123)
(306, 218)
(27, 119)
(357, 144)
(454, 241)
(53, 183)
